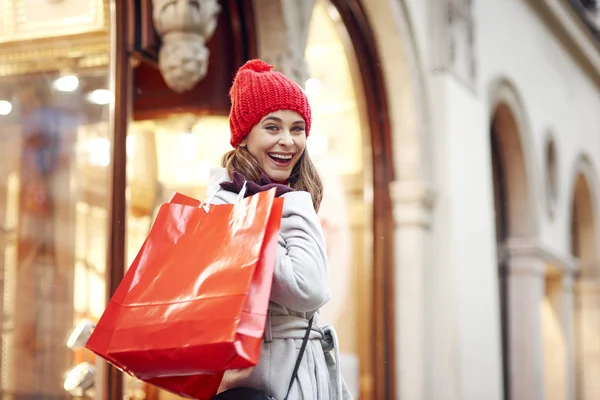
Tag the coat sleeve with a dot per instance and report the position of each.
(300, 281)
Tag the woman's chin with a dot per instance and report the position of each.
(278, 176)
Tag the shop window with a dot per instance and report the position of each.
(54, 190)
(55, 150)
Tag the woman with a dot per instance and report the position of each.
(269, 121)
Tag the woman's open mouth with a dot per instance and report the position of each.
(280, 159)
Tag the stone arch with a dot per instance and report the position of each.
(400, 64)
(511, 142)
(515, 212)
(584, 236)
(406, 168)
(402, 70)
(583, 216)
(410, 163)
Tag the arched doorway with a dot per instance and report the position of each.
(334, 88)
(514, 220)
(534, 289)
(350, 142)
(510, 194)
(586, 317)
(369, 332)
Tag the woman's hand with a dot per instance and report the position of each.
(237, 182)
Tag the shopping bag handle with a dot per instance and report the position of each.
(242, 193)
(209, 198)
(205, 204)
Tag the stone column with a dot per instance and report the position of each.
(587, 337)
(568, 315)
(412, 204)
(282, 35)
(525, 282)
(558, 352)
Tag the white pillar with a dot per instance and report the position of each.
(412, 203)
(568, 305)
(525, 293)
(558, 339)
(588, 338)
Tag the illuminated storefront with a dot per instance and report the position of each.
(59, 177)
(54, 85)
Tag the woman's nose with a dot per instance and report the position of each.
(286, 139)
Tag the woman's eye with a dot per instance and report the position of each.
(298, 129)
(272, 128)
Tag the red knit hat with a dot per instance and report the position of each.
(257, 90)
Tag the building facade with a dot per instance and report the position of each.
(459, 144)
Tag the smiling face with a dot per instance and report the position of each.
(277, 143)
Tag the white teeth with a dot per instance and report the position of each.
(281, 156)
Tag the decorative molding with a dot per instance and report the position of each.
(589, 12)
(28, 19)
(412, 203)
(575, 36)
(454, 40)
(530, 251)
(185, 26)
(47, 59)
(31, 47)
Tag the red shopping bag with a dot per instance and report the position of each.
(194, 301)
(198, 387)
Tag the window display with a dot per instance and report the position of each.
(53, 198)
(54, 146)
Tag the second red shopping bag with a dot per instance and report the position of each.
(195, 298)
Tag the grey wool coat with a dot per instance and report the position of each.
(299, 289)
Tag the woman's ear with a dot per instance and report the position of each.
(243, 144)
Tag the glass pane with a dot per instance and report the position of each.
(53, 185)
(55, 150)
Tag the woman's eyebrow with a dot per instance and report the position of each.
(270, 117)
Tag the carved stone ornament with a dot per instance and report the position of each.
(454, 29)
(185, 26)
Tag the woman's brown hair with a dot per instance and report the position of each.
(304, 174)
